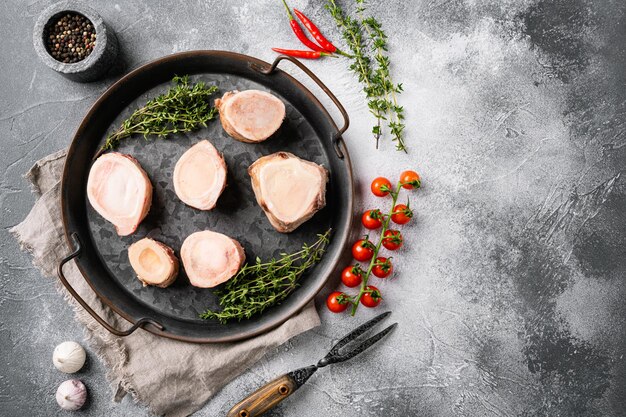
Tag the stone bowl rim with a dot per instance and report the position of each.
(53, 12)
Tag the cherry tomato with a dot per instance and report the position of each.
(372, 219)
(337, 302)
(382, 268)
(352, 276)
(363, 250)
(392, 239)
(401, 214)
(381, 186)
(371, 298)
(410, 180)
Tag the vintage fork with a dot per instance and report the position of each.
(272, 393)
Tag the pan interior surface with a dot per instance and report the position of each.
(237, 213)
(305, 132)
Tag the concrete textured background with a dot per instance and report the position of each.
(510, 291)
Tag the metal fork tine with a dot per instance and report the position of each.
(356, 333)
(367, 343)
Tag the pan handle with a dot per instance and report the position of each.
(140, 323)
(346, 120)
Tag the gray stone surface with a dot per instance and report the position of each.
(510, 291)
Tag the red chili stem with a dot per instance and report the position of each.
(315, 32)
(297, 30)
(301, 54)
(288, 11)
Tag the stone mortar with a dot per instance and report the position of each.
(97, 63)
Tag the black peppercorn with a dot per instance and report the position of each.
(70, 38)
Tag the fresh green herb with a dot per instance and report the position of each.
(368, 43)
(264, 284)
(185, 107)
(388, 91)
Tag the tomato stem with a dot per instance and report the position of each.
(373, 261)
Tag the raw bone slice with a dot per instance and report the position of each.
(153, 262)
(290, 190)
(200, 176)
(250, 116)
(120, 191)
(211, 258)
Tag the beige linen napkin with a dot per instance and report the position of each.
(169, 377)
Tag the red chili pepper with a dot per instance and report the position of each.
(315, 32)
(295, 26)
(301, 54)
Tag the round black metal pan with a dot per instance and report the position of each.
(101, 255)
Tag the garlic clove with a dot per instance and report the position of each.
(69, 357)
(71, 394)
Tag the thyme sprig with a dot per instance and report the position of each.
(368, 43)
(264, 284)
(361, 65)
(183, 108)
(387, 90)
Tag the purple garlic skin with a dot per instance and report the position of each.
(71, 394)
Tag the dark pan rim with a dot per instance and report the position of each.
(342, 239)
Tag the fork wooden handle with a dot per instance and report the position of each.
(265, 398)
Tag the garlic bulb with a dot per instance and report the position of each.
(71, 394)
(69, 357)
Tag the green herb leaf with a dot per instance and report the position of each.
(264, 284)
(185, 107)
(368, 43)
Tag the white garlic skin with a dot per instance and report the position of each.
(69, 357)
(71, 394)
